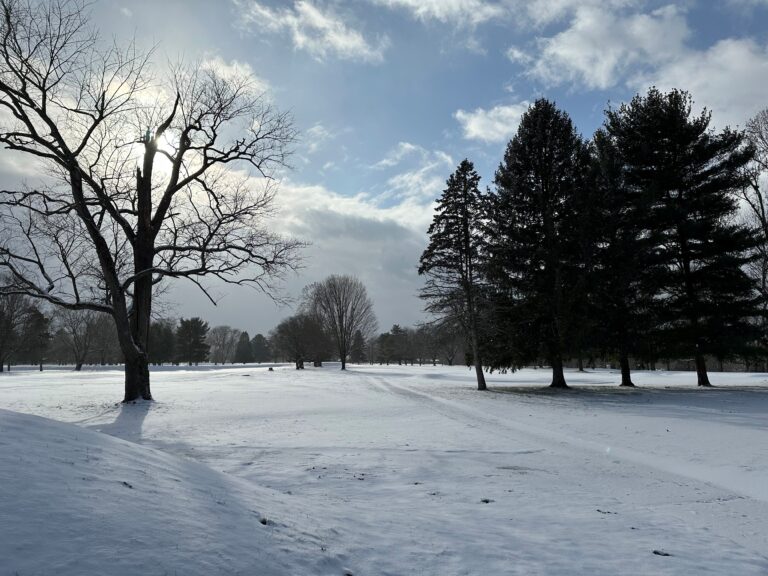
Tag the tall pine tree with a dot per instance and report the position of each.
(535, 236)
(621, 291)
(689, 176)
(451, 262)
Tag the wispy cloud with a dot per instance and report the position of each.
(320, 32)
(456, 12)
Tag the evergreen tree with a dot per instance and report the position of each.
(191, 346)
(621, 291)
(162, 342)
(243, 352)
(451, 261)
(260, 348)
(36, 336)
(535, 250)
(690, 176)
(357, 353)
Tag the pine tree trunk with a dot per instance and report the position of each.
(558, 378)
(626, 377)
(581, 364)
(343, 363)
(701, 370)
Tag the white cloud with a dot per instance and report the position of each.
(601, 48)
(493, 125)
(456, 12)
(126, 12)
(323, 34)
(234, 70)
(730, 78)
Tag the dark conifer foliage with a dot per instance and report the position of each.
(534, 243)
(36, 336)
(688, 177)
(162, 342)
(243, 351)
(260, 348)
(190, 340)
(451, 261)
(621, 292)
(357, 353)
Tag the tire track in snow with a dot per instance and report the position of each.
(728, 478)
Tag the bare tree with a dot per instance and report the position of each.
(342, 305)
(222, 341)
(80, 328)
(756, 197)
(148, 181)
(13, 316)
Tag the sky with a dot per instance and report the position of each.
(390, 95)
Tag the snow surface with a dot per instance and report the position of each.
(382, 471)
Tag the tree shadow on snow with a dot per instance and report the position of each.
(737, 405)
(129, 421)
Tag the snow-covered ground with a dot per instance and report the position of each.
(382, 471)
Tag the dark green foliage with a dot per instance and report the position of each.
(686, 177)
(190, 341)
(243, 351)
(162, 342)
(620, 290)
(260, 348)
(357, 353)
(36, 336)
(452, 260)
(536, 253)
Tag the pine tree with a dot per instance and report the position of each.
(190, 340)
(622, 294)
(162, 342)
(534, 243)
(689, 176)
(451, 261)
(260, 348)
(243, 352)
(357, 353)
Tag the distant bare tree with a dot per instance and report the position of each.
(343, 307)
(299, 338)
(145, 177)
(756, 195)
(80, 328)
(13, 315)
(222, 341)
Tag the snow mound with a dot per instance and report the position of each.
(77, 502)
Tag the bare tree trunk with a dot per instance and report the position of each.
(78, 366)
(137, 379)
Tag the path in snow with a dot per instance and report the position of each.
(397, 464)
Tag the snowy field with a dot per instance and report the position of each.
(382, 471)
